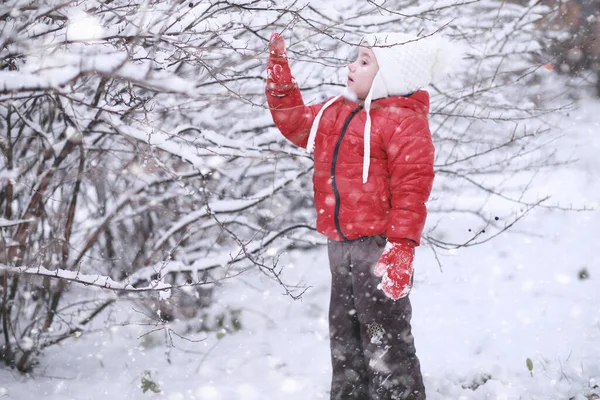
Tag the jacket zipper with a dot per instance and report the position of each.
(336, 215)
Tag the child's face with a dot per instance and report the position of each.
(362, 72)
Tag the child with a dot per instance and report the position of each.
(373, 174)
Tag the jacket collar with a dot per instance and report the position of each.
(418, 102)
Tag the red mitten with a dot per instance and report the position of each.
(279, 75)
(395, 266)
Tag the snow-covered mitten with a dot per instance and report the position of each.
(279, 75)
(395, 267)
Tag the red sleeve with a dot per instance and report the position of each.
(292, 117)
(410, 154)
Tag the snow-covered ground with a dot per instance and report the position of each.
(476, 323)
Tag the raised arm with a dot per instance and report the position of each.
(291, 116)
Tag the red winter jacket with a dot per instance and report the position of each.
(392, 202)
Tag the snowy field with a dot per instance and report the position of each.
(475, 324)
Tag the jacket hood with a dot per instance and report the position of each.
(418, 102)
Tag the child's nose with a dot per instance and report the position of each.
(351, 67)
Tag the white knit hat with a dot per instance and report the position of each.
(406, 64)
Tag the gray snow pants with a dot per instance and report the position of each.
(372, 347)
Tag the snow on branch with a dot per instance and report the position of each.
(116, 65)
(228, 206)
(99, 281)
(5, 223)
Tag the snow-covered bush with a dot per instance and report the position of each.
(138, 154)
